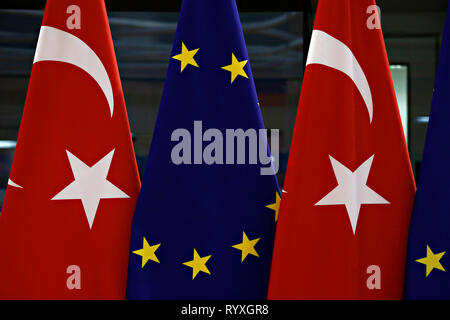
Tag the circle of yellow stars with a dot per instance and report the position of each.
(198, 263)
(186, 57)
(247, 246)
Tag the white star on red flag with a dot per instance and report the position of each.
(352, 190)
(90, 185)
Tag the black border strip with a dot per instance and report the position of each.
(170, 5)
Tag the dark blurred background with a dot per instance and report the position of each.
(277, 36)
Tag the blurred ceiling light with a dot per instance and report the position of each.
(422, 119)
(7, 144)
(397, 66)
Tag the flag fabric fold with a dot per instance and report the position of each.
(202, 229)
(66, 219)
(343, 223)
(429, 237)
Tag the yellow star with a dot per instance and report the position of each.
(186, 57)
(236, 68)
(275, 206)
(247, 246)
(198, 264)
(147, 252)
(432, 261)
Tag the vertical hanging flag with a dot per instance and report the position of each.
(202, 228)
(343, 223)
(66, 221)
(428, 263)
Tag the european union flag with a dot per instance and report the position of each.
(428, 262)
(205, 219)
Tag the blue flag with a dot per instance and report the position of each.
(204, 223)
(428, 262)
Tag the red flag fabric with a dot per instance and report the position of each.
(348, 194)
(66, 219)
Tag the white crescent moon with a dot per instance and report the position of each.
(329, 51)
(13, 184)
(57, 45)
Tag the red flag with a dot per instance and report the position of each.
(66, 220)
(344, 216)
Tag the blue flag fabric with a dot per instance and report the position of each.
(204, 231)
(428, 262)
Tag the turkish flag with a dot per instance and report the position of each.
(348, 194)
(66, 220)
